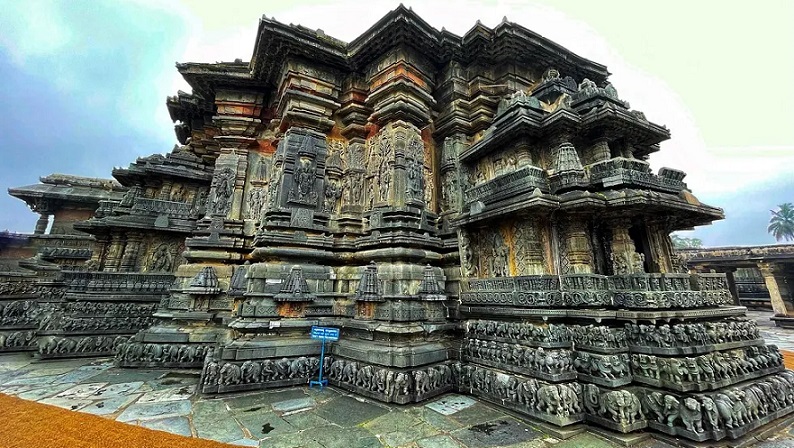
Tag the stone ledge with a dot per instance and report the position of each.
(606, 382)
(706, 385)
(694, 350)
(551, 377)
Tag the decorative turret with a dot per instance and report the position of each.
(485, 197)
(369, 287)
(429, 288)
(204, 283)
(239, 283)
(567, 171)
(295, 288)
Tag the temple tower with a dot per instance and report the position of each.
(474, 213)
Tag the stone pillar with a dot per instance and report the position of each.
(600, 151)
(527, 248)
(42, 223)
(524, 153)
(114, 253)
(129, 261)
(165, 190)
(99, 250)
(625, 259)
(578, 246)
(664, 256)
(778, 287)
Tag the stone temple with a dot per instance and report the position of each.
(476, 214)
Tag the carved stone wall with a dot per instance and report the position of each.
(404, 194)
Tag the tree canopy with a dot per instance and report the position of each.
(781, 224)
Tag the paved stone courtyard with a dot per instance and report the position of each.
(165, 400)
(782, 337)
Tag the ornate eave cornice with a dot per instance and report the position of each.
(68, 193)
(178, 164)
(684, 213)
(207, 78)
(186, 107)
(507, 41)
(625, 123)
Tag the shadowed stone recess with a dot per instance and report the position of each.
(476, 214)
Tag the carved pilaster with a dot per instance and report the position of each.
(600, 150)
(528, 246)
(577, 244)
(129, 261)
(42, 223)
(451, 186)
(165, 190)
(624, 256)
(114, 254)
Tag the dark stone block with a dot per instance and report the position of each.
(171, 338)
(617, 426)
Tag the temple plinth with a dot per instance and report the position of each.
(475, 213)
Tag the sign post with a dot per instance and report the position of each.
(323, 334)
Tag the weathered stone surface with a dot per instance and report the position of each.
(509, 242)
(155, 410)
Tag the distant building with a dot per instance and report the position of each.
(762, 275)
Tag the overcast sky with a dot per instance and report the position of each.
(83, 82)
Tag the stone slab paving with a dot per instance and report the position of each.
(168, 394)
(175, 425)
(288, 418)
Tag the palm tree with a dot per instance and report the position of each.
(781, 225)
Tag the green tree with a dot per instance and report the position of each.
(685, 243)
(781, 225)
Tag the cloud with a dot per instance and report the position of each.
(747, 213)
(95, 76)
(33, 30)
(87, 96)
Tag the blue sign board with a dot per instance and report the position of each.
(325, 333)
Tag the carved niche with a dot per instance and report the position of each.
(257, 197)
(332, 196)
(469, 255)
(354, 175)
(396, 167)
(224, 189)
(161, 259)
(493, 253)
(255, 202)
(297, 177)
(304, 179)
(528, 247)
